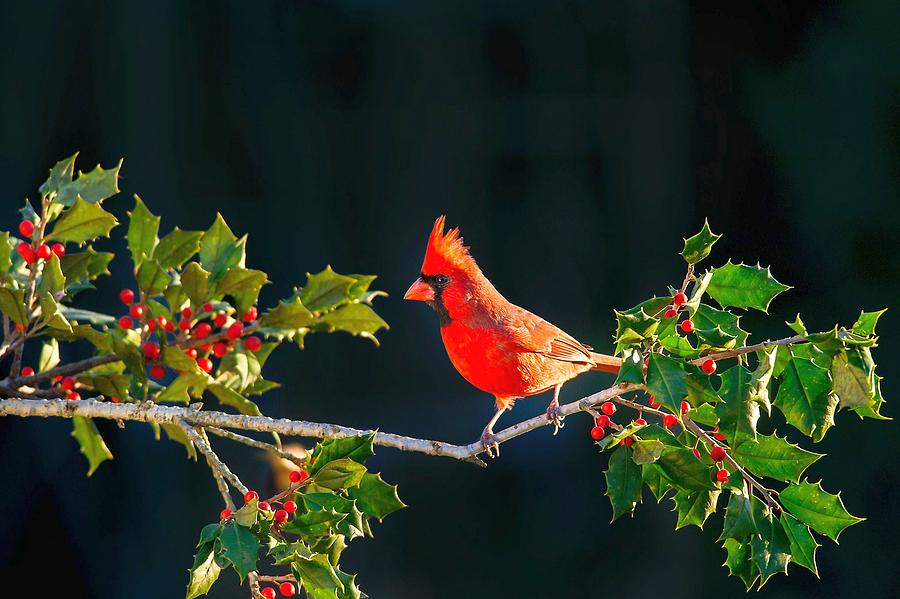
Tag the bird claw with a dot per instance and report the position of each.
(555, 418)
(490, 444)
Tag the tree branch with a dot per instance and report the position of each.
(301, 462)
(219, 468)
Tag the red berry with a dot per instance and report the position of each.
(161, 321)
(224, 514)
(250, 496)
(27, 371)
(281, 516)
(719, 436)
(298, 476)
(670, 313)
(608, 408)
(669, 421)
(205, 347)
(136, 311)
(220, 319)
(603, 421)
(652, 401)
(722, 475)
(125, 322)
(268, 593)
(717, 454)
(57, 378)
(27, 253)
(708, 366)
(696, 453)
(679, 299)
(235, 330)
(687, 325)
(151, 350)
(627, 442)
(640, 422)
(169, 326)
(184, 324)
(219, 349)
(250, 315)
(115, 399)
(26, 228)
(264, 506)
(685, 407)
(151, 326)
(205, 364)
(597, 433)
(126, 296)
(252, 343)
(201, 330)
(68, 383)
(290, 506)
(157, 372)
(187, 313)
(22, 248)
(287, 589)
(58, 249)
(43, 252)
(191, 353)
(73, 395)
(207, 307)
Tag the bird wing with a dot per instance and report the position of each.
(532, 333)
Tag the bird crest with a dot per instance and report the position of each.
(445, 252)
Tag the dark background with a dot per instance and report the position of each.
(575, 143)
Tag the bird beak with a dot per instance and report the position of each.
(419, 291)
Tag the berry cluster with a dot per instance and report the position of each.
(36, 249)
(687, 326)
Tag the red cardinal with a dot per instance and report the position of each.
(497, 346)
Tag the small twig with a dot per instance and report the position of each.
(749, 349)
(218, 467)
(253, 579)
(301, 462)
(284, 578)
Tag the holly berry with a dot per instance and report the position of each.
(287, 589)
(161, 320)
(125, 322)
(679, 299)
(281, 516)
(224, 514)
(696, 453)
(597, 433)
(58, 249)
(26, 228)
(608, 408)
(151, 326)
(191, 353)
(298, 476)
(68, 383)
(290, 506)
(603, 421)
(717, 454)
(220, 319)
(151, 350)
(184, 324)
(685, 407)
(627, 442)
(722, 475)
(264, 506)
(73, 395)
(670, 313)
(205, 347)
(27, 371)
(652, 401)
(640, 422)
(205, 364)
(235, 330)
(268, 593)
(219, 349)
(43, 252)
(169, 326)
(669, 421)
(250, 315)
(207, 307)
(157, 372)
(27, 253)
(187, 313)
(708, 366)
(719, 436)
(201, 330)
(136, 311)
(252, 343)
(687, 325)
(126, 296)
(115, 399)
(250, 496)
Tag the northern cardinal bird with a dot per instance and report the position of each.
(497, 346)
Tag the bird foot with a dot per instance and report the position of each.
(490, 444)
(554, 417)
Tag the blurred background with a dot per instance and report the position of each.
(575, 143)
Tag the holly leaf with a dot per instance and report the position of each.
(634, 327)
(376, 497)
(706, 317)
(61, 174)
(739, 563)
(357, 448)
(177, 247)
(288, 315)
(93, 187)
(204, 572)
(230, 397)
(632, 369)
(818, 509)
(854, 380)
(623, 482)
(240, 547)
(82, 222)
(12, 303)
(195, 283)
(92, 445)
(803, 545)
(86, 265)
(647, 452)
(805, 397)
(152, 278)
(771, 550)
(326, 290)
(241, 282)
(743, 286)
(5, 251)
(743, 516)
(774, 457)
(865, 324)
(49, 356)
(339, 474)
(666, 379)
(694, 507)
(655, 481)
(79, 315)
(220, 249)
(759, 380)
(356, 319)
(737, 412)
(142, 232)
(52, 279)
(318, 576)
(683, 470)
(697, 248)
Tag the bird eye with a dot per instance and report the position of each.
(441, 280)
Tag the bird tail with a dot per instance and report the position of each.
(606, 363)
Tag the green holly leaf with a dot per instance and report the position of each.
(92, 445)
(803, 545)
(12, 303)
(82, 222)
(326, 290)
(683, 470)
(667, 381)
(318, 576)
(204, 571)
(176, 248)
(240, 547)
(126, 348)
(739, 563)
(771, 550)
(634, 327)
(79, 315)
(357, 448)
(818, 509)
(375, 497)
(706, 317)
(647, 451)
(52, 278)
(339, 474)
(230, 397)
(797, 326)
(743, 516)
(715, 338)
(865, 324)
(61, 174)
(694, 507)
(774, 457)
(5, 251)
(243, 283)
(697, 248)
(152, 278)
(743, 286)
(51, 315)
(49, 355)
(705, 414)
(759, 380)
(288, 316)
(142, 232)
(737, 412)
(356, 319)
(805, 397)
(853, 378)
(623, 482)
(175, 358)
(87, 265)
(195, 283)
(93, 187)
(655, 481)
(221, 250)
(699, 388)
(186, 386)
(632, 369)
(109, 384)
